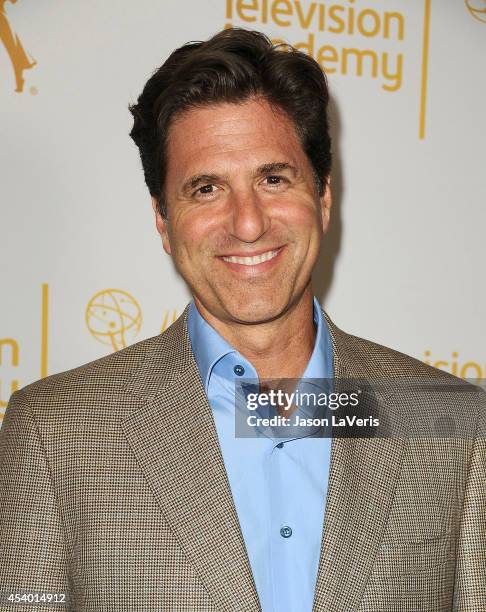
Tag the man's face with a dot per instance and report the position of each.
(244, 217)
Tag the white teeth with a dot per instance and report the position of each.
(251, 261)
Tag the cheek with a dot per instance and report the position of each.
(302, 219)
(189, 236)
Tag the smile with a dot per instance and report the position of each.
(253, 260)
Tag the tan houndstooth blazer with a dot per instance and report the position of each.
(113, 490)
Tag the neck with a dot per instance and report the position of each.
(280, 348)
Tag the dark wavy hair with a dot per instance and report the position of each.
(232, 66)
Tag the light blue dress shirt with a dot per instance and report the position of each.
(279, 485)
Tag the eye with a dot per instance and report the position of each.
(205, 191)
(275, 180)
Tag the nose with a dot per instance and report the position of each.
(249, 218)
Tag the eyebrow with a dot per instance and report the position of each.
(266, 169)
(263, 170)
(199, 179)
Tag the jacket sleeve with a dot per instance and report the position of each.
(33, 556)
(470, 584)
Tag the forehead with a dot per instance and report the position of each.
(248, 133)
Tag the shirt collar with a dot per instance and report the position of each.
(209, 346)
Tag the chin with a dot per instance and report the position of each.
(256, 311)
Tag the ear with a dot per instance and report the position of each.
(326, 203)
(161, 225)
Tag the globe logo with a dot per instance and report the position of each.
(113, 317)
(477, 8)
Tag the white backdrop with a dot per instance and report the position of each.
(83, 271)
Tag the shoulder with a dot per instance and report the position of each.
(112, 369)
(368, 358)
(415, 399)
(409, 384)
(362, 358)
(152, 360)
(109, 385)
(395, 362)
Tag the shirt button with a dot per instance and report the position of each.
(239, 370)
(285, 531)
(280, 445)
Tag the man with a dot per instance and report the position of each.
(124, 486)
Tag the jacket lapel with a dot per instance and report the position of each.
(362, 480)
(174, 439)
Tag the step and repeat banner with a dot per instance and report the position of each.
(83, 270)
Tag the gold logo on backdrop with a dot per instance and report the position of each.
(477, 8)
(13, 45)
(168, 318)
(113, 317)
(9, 348)
(344, 38)
(471, 370)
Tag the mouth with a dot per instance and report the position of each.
(252, 260)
